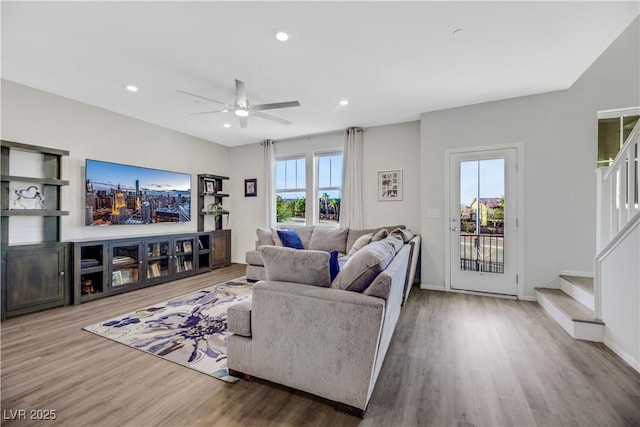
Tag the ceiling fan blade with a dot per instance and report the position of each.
(275, 105)
(243, 122)
(241, 93)
(202, 97)
(210, 112)
(270, 117)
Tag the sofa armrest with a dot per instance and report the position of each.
(412, 268)
(239, 319)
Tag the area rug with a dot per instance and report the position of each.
(190, 330)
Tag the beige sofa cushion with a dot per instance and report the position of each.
(308, 267)
(329, 239)
(265, 236)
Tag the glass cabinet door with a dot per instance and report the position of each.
(126, 261)
(183, 260)
(158, 258)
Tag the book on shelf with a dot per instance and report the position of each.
(154, 249)
(126, 276)
(187, 246)
(154, 270)
(200, 245)
(116, 278)
(88, 262)
(121, 259)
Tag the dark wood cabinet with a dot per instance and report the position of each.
(35, 277)
(221, 248)
(108, 267)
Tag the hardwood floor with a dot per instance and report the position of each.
(455, 359)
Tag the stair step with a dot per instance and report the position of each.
(572, 316)
(584, 283)
(579, 288)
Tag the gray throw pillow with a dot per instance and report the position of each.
(362, 241)
(296, 265)
(275, 237)
(404, 233)
(381, 234)
(305, 234)
(365, 265)
(329, 239)
(264, 236)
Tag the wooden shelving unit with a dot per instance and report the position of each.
(34, 276)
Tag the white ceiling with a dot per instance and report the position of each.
(392, 60)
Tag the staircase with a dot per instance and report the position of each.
(572, 306)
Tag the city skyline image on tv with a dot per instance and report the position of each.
(124, 194)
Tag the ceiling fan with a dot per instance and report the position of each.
(243, 109)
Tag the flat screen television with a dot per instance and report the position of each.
(125, 194)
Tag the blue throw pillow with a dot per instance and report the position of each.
(290, 239)
(334, 266)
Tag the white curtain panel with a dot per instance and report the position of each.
(351, 214)
(270, 213)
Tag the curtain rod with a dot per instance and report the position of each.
(311, 135)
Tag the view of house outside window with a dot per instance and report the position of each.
(329, 188)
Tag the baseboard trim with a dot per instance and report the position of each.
(530, 298)
(628, 359)
(431, 287)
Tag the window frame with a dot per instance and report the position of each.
(304, 190)
(317, 189)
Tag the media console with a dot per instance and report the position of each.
(107, 267)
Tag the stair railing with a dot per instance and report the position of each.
(617, 191)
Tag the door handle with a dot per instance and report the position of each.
(454, 228)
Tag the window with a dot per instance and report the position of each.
(291, 190)
(614, 127)
(329, 186)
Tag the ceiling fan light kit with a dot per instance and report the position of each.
(243, 109)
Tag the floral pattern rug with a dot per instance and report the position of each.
(190, 330)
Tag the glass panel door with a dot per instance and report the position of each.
(125, 264)
(158, 255)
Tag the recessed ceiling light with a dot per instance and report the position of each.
(344, 102)
(458, 32)
(282, 36)
(227, 125)
(132, 88)
(225, 111)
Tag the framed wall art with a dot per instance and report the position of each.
(390, 185)
(250, 187)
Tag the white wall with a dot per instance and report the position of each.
(559, 133)
(35, 117)
(247, 213)
(385, 147)
(620, 292)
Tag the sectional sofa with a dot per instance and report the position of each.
(322, 336)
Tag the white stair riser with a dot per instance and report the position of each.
(577, 293)
(579, 330)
